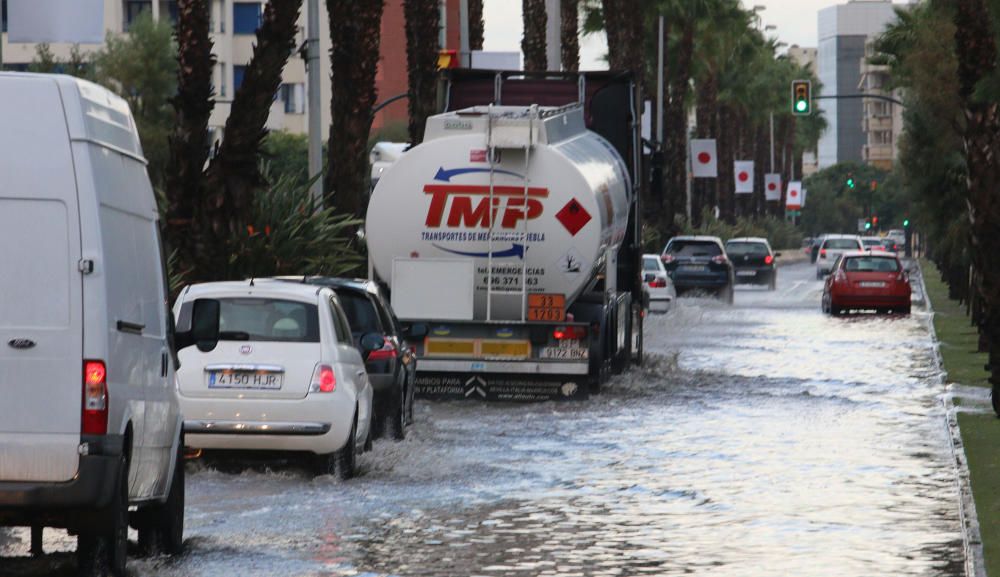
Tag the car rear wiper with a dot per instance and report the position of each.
(234, 336)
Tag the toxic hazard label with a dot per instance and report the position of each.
(573, 216)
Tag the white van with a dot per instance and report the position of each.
(90, 423)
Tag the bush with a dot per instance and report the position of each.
(780, 234)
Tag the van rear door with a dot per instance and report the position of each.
(41, 324)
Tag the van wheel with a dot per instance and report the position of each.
(105, 552)
(341, 463)
(162, 526)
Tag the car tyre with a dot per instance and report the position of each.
(396, 422)
(773, 284)
(341, 463)
(106, 552)
(819, 274)
(161, 528)
(995, 399)
(726, 295)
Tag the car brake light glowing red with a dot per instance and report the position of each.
(387, 352)
(822, 252)
(324, 380)
(719, 259)
(569, 333)
(768, 259)
(658, 283)
(94, 418)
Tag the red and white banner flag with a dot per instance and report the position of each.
(743, 171)
(704, 163)
(793, 200)
(772, 186)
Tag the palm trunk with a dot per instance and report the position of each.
(234, 176)
(675, 131)
(570, 34)
(977, 55)
(354, 54)
(705, 190)
(422, 23)
(477, 25)
(727, 152)
(533, 43)
(623, 23)
(761, 146)
(189, 147)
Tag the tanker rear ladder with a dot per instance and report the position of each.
(491, 147)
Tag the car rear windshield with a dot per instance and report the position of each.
(265, 319)
(693, 248)
(871, 242)
(840, 243)
(361, 313)
(737, 249)
(871, 264)
(650, 264)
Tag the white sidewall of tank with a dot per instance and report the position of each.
(425, 206)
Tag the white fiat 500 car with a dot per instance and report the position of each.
(285, 374)
(661, 288)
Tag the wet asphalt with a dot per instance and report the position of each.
(763, 438)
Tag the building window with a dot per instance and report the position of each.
(293, 96)
(220, 73)
(246, 17)
(132, 10)
(222, 17)
(238, 72)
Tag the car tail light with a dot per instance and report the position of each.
(719, 259)
(569, 333)
(667, 258)
(386, 353)
(324, 380)
(822, 253)
(768, 259)
(658, 283)
(94, 419)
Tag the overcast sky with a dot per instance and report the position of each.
(795, 21)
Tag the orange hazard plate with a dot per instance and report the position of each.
(547, 307)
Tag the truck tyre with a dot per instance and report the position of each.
(341, 463)
(104, 551)
(161, 526)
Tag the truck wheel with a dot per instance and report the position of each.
(341, 463)
(105, 552)
(161, 528)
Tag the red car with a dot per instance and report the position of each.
(867, 280)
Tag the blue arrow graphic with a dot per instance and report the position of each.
(445, 175)
(514, 250)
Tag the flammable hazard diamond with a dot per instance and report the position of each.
(573, 216)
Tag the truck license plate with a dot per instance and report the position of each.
(244, 380)
(567, 350)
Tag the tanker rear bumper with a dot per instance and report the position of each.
(523, 381)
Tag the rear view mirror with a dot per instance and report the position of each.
(371, 342)
(204, 330)
(416, 331)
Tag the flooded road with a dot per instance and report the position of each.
(760, 439)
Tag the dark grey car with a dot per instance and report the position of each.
(699, 263)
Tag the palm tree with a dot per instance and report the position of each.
(533, 43)
(354, 54)
(570, 34)
(477, 25)
(625, 25)
(422, 23)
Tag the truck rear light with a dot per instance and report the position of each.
(768, 259)
(324, 380)
(386, 353)
(94, 418)
(667, 258)
(658, 283)
(720, 259)
(569, 333)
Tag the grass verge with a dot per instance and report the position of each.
(958, 343)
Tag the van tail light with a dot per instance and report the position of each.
(768, 259)
(658, 283)
(720, 259)
(569, 333)
(94, 418)
(324, 380)
(667, 258)
(386, 353)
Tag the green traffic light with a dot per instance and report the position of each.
(850, 183)
(906, 222)
(868, 226)
(801, 106)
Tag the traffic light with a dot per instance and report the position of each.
(868, 225)
(850, 180)
(875, 221)
(906, 223)
(801, 97)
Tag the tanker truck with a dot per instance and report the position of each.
(507, 243)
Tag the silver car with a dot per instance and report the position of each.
(661, 288)
(832, 247)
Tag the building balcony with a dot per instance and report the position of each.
(877, 123)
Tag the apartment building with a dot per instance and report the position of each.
(233, 28)
(882, 121)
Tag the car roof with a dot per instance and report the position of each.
(876, 254)
(748, 239)
(877, 238)
(252, 288)
(703, 238)
(355, 284)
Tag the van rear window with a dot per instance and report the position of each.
(262, 319)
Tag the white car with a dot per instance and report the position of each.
(661, 288)
(91, 435)
(285, 374)
(832, 247)
(873, 243)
